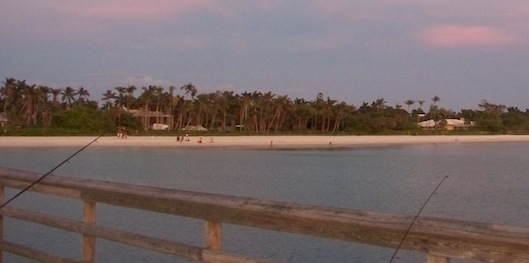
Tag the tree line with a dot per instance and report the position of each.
(26, 105)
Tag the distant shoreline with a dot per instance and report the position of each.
(291, 142)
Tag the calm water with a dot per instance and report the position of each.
(487, 182)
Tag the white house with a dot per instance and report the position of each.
(447, 124)
(429, 124)
(452, 124)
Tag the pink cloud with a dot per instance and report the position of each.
(455, 36)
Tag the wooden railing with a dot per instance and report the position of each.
(440, 239)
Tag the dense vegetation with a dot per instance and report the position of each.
(39, 109)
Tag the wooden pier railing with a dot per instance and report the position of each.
(440, 239)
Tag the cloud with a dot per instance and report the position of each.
(146, 80)
(132, 9)
(337, 10)
(457, 36)
(268, 5)
(115, 79)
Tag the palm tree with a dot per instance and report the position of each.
(121, 96)
(172, 99)
(55, 95)
(180, 107)
(28, 107)
(82, 95)
(8, 93)
(303, 112)
(282, 107)
(436, 99)
(265, 102)
(420, 111)
(158, 97)
(227, 103)
(409, 103)
(204, 106)
(215, 104)
(244, 102)
(190, 89)
(68, 96)
(327, 115)
(379, 104)
(186, 113)
(44, 106)
(108, 97)
(319, 107)
(342, 110)
(434, 107)
(146, 98)
(129, 99)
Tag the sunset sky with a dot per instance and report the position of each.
(353, 51)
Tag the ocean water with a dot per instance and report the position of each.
(487, 182)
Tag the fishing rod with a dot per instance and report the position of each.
(415, 219)
(50, 172)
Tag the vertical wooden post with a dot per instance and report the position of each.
(89, 242)
(1, 223)
(437, 259)
(214, 235)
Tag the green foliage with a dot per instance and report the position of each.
(132, 123)
(41, 131)
(41, 110)
(380, 121)
(83, 118)
(490, 124)
(515, 121)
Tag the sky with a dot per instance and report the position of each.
(352, 51)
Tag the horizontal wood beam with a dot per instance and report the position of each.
(159, 245)
(138, 240)
(33, 253)
(437, 259)
(442, 237)
(43, 189)
(221, 257)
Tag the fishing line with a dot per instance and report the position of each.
(415, 219)
(50, 172)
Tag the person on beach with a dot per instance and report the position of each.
(122, 132)
(187, 137)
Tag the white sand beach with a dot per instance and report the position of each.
(254, 141)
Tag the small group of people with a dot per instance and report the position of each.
(122, 132)
(182, 139)
(186, 138)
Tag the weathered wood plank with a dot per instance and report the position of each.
(34, 254)
(437, 259)
(215, 256)
(213, 233)
(43, 189)
(89, 242)
(142, 241)
(452, 238)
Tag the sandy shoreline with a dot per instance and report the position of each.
(254, 141)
